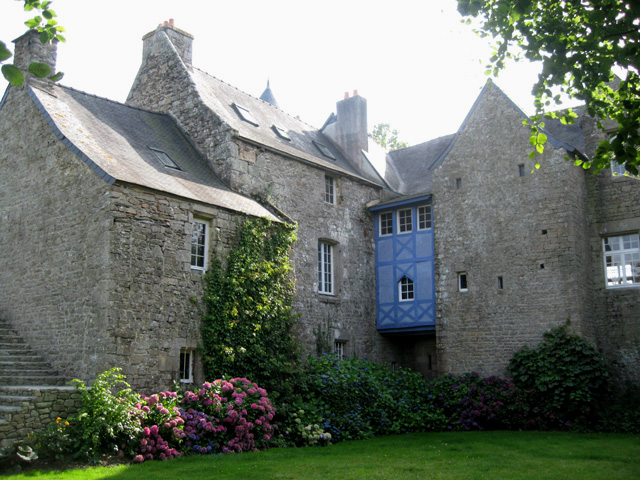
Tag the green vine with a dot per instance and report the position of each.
(246, 328)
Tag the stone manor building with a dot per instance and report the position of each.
(447, 256)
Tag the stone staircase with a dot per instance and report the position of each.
(24, 375)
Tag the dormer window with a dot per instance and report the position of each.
(324, 150)
(164, 158)
(281, 132)
(245, 114)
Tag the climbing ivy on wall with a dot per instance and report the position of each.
(246, 328)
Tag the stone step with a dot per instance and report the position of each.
(26, 357)
(29, 379)
(15, 400)
(21, 370)
(26, 364)
(17, 344)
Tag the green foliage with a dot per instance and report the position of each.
(621, 411)
(248, 318)
(358, 399)
(579, 44)
(387, 138)
(566, 376)
(104, 422)
(45, 23)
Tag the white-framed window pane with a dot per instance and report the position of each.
(424, 217)
(405, 221)
(338, 348)
(199, 244)
(622, 260)
(329, 189)
(186, 365)
(386, 224)
(325, 268)
(406, 289)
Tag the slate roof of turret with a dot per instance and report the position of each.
(115, 140)
(268, 96)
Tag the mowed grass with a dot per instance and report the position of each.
(424, 456)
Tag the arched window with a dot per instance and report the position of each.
(405, 289)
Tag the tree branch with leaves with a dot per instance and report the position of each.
(579, 44)
(45, 23)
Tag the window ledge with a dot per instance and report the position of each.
(328, 298)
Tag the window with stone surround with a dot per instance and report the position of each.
(186, 365)
(339, 348)
(405, 221)
(329, 189)
(463, 286)
(622, 260)
(199, 244)
(325, 268)
(424, 217)
(406, 289)
(386, 223)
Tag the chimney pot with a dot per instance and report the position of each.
(346, 95)
(355, 93)
(171, 22)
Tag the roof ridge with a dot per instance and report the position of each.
(256, 98)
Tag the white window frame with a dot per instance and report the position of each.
(326, 260)
(330, 189)
(622, 260)
(186, 365)
(384, 223)
(424, 212)
(402, 226)
(197, 243)
(406, 289)
(463, 278)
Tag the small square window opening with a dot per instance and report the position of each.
(500, 283)
(458, 183)
(521, 169)
(339, 348)
(462, 282)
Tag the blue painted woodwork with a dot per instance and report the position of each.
(407, 254)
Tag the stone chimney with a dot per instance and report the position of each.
(29, 49)
(181, 40)
(349, 131)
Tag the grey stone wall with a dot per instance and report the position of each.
(55, 232)
(44, 406)
(297, 189)
(156, 298)
(615, 203)
(530, 231)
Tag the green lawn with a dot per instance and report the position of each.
(470, 455)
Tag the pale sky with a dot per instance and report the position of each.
(417, 65)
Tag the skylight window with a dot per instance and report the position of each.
(164, 158)
(281, 132)
(246, 115)
(324, 150)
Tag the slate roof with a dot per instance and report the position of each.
(114, 140)
(221, 97)
(414, 164)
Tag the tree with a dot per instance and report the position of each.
(579, 43)
(387, 138)
(45, 23)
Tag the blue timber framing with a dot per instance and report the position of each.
(408, 254)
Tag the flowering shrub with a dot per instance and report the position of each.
(471, 402)
(359, 399)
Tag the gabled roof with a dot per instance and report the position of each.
(414, 164)
(303, 141)
(116, 141)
